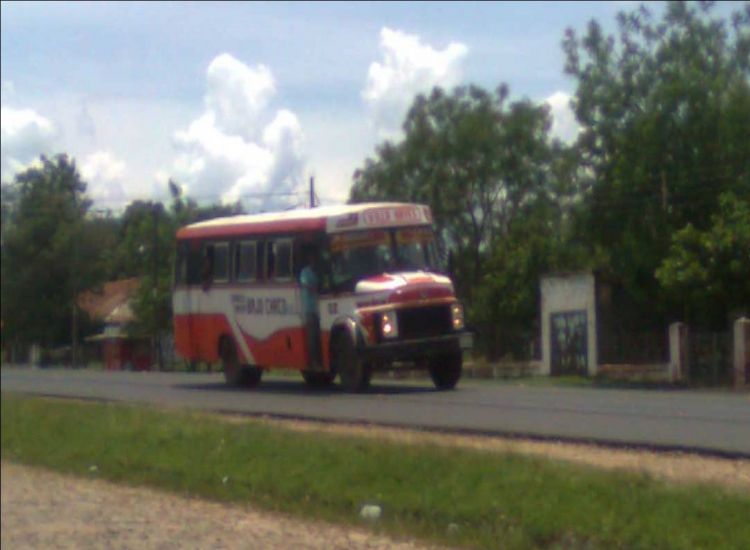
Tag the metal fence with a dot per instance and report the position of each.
(710, 357)
(633, 347)
(495, 344)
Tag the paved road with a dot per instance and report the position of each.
(718, 422)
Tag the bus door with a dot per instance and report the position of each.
(313, 333)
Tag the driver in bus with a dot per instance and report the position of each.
(309, 281)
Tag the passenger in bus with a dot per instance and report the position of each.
(309, 282)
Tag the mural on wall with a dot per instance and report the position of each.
(569, 349)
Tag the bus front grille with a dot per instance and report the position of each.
(424, 321)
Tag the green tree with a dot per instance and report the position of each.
(475, 159)
(9, 198)
(502, 195)
(664, 109)
(48, 254)
(708, 272)
(146, 250)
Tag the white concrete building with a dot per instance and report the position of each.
(569, 344)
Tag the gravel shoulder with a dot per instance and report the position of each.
(45, 511)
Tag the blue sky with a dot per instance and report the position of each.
(248, 100)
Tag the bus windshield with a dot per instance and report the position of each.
(357, 255)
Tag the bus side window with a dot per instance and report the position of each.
(207, 269)
(221, 263)
(245, 263)
(283, 254)
(194, 263)
(279, 260)
(181, 264)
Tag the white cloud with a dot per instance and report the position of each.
(237, 94)
(232, 151)
(24, 135)
(408, 67)
(564, 124)
(105, 175)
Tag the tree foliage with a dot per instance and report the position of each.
(475, 159)
(500, 190)
(664, 109)
(146, 250)
(49, 253)
(709, 271)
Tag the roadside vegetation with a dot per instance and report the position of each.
(451, 496)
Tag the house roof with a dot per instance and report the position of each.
(112, 303)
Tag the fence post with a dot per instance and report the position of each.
(741, 352)
(677, 352)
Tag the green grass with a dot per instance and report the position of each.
(499, 501)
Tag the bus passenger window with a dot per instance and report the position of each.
(279, 260)
(283, 260)
(194, 263)
(207, 270)
(221, 263)
(245, 262)
(181, 265)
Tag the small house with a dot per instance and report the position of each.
(114, 346)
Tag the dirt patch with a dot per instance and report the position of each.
(46, 511)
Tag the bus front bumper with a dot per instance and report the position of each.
(404, 350)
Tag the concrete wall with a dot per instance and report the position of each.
(569, 293)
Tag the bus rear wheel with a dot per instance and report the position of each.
(445, 370)
(235, 374)
(354, 374)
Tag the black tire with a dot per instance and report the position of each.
(446, 370)
(354, 374)
(317, 380)
(235, 374)
(250, 377)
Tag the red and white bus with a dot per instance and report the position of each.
(383, 302)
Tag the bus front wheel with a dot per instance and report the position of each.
(354, 374)
(445, 370)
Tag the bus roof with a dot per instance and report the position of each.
(331, 219)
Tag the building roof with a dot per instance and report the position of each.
(112, 303)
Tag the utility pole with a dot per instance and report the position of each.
(312, 192)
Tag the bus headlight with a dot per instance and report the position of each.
(389, 324)
(457, 313)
